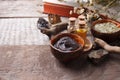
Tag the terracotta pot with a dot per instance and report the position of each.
(108, 37)
(67, 56)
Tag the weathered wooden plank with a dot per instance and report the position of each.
(37, 63)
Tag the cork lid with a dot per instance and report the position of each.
(82, 24)
(72, 19)
(81, 17)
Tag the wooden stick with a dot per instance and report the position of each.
(106, 46)
(109, 4)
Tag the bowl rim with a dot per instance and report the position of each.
(67, 34)
(104, 21)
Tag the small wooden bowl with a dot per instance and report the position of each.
(67, 56)
(88, 45)
(108, 37)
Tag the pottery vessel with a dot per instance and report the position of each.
(67, 56)
(108, 37)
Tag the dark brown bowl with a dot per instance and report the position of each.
(66, 56)
(108, 37)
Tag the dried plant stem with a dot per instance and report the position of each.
(108, 5)
(106, 46)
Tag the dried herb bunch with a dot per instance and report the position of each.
(105, 2)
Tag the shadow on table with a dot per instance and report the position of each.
(83, 64)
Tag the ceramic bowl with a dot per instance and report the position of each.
(108, 37)
(70, 55)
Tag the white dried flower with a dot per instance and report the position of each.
(71, 12)
(75, 9)
(82, 11)
(78, 12)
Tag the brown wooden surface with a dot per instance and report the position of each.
(37, 63)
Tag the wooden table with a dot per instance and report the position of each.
(37, 63)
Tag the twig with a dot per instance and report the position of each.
(108, 5)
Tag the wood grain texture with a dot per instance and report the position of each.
(37, 63)
(59, 9)
(21, 8)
